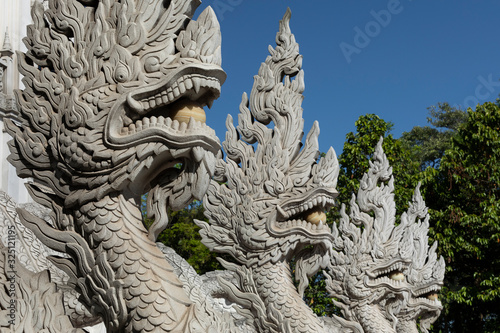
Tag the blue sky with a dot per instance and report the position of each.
(427, 52)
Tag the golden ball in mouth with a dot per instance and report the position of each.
(397, 276)
(315, 216)
(189, 109)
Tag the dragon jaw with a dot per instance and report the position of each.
(303, 214)
(271, 205)
(114, 113)
(387, 267)
(149, 112)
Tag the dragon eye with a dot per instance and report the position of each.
(122, 73)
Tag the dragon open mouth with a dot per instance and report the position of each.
(427, 295)
(169, 111)
(306, 215)
(392, 275)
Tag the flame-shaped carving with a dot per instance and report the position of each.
(260, 214)
(110, 87)
(384, 272)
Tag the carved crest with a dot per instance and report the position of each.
(112, 108)
(271, 205)
(385, 277)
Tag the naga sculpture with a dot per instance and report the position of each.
(34, 296)
(270, 207)
(112, 108)
(386, 277)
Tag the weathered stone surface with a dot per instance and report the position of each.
(42, 299)
(96, 134)
(384, 275)
(258, 215)
(113, 108)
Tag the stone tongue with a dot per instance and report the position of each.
(202, 180)
(192, 183)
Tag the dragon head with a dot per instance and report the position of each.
(271, 196)
(425, 275)
(114, 99)
(383, 264)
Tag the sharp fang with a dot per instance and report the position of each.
(191, 123)
(197, 85)
(281, 211)
(134, 105)
(198, 153)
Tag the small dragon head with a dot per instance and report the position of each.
(271, 202)
(425, 275)
(114, 98)
(382, 263)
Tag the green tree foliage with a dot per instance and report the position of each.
(358, 150)
(429, 143)
(460, 153)
(464, 197)
(318, 298)
(182, 235)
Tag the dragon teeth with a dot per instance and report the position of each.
(177, 92)
(182, 87)
(175, 125)
(191, 123)
(183, 127)
(197, 85)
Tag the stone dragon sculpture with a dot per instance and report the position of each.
(30, 276)
(266, 205)
(113, 108)
(419, 303)
(386, 277)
